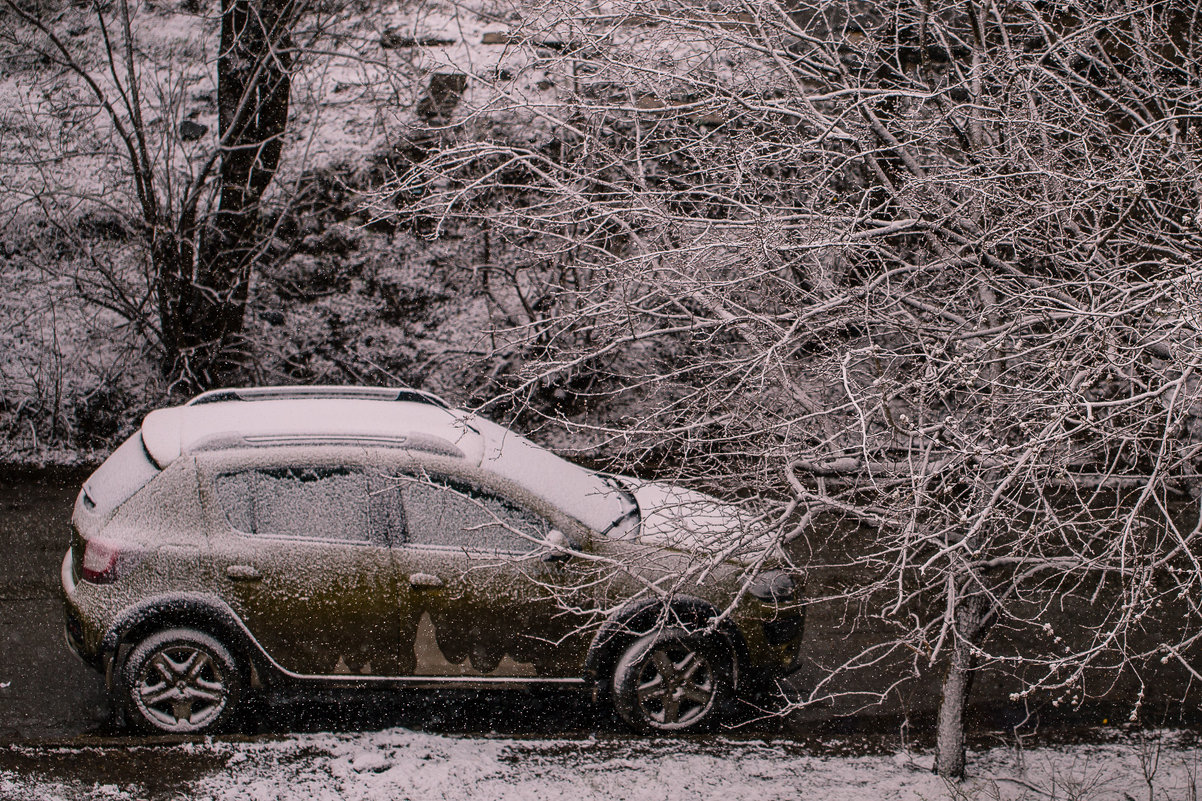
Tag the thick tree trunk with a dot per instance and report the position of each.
(949, 743)
(205, 293)
(973, 616)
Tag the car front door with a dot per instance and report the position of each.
(300, 557)
(485, 599)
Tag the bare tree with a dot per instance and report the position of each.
(928, 269)
(199, 212)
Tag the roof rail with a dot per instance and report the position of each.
(318, 392)
(413, 441)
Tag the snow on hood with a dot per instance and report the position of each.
(675, 517)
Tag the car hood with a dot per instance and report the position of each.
(679, 518)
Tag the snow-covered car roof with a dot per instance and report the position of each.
(172, 432)
(325, 415)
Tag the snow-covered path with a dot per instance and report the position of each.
(399, 764)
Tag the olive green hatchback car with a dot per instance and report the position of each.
(348, 536)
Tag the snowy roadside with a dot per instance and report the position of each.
(399, 764)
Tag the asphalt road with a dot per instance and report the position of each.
(45, 691)
(48, 695)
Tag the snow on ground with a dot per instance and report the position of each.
(399, 764)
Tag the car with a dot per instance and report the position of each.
(346, 536)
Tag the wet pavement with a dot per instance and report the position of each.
(55, 720)
(45, 691)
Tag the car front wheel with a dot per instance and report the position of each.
(180, 681)
(672, 680)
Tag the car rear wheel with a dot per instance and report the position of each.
(180, 681)
(672, 680)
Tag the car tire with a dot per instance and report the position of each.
(180, 681)
(673, 680)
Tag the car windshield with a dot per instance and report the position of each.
(600, 503)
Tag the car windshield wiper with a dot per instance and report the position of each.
(630, 507)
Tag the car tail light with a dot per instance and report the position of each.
(100, 562)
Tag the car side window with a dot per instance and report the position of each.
(441, 512)
(319, 503)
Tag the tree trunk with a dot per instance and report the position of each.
(949, 743)
(174, 259)
(205, 293)
(974, 615)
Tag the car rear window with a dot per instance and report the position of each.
(126, 471)
(320, 503)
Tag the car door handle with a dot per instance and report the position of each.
(424, 581)
(243, 573)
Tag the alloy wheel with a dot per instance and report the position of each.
(181, 688)
(676, 686)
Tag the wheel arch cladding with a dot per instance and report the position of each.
(199, 612)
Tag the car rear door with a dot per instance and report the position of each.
(302, 558)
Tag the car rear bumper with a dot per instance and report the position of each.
(73, 628)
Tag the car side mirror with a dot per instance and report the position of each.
(559, 547)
